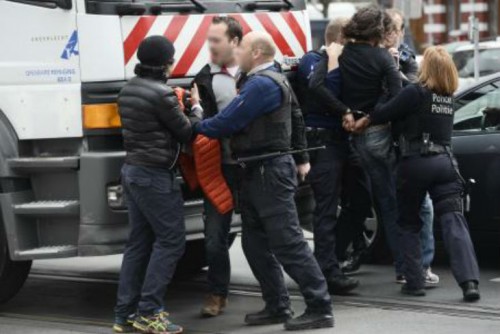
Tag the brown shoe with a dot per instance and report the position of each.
(213, 306)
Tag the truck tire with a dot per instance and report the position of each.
(13, 274)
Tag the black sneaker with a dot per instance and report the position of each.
(415, 292)
(310, 320)
(471, 291)
(268, 317)
(341, 285)
(400, 279)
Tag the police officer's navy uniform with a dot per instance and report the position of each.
(260, 121)
(425, 122)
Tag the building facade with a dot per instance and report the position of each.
(443, 21)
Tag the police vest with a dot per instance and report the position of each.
(271, 132)
(434, 120)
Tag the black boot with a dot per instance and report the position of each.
(415, 292)
(470, 290)
(310, 320)
(268, 317)
(353, 263)
(341, 285)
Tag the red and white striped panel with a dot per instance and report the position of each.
(289, 30)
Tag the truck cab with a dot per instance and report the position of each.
(62, 65)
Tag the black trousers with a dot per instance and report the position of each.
(272, 236)
(437, 174)
(355, 203)
(336, 175)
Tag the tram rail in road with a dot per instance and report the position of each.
(64, 302)
(476, 311)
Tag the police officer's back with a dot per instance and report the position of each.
(425, 111)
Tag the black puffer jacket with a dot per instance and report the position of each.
(153, 123)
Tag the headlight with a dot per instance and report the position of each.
(116, 197)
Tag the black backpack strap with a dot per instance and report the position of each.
(281, 81)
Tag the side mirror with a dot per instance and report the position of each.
(491, 118)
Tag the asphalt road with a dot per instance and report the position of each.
(77, 296)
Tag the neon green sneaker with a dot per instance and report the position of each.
(124, 325)
(156, 324)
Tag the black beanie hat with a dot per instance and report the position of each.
(156, 51)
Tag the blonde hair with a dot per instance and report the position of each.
(333, 31)
(438, 72)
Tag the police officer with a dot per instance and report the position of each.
(408, 67)
(323, 118)
(425, 111)
(260, 121)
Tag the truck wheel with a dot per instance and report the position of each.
(13, 274)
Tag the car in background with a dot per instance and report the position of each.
(476, 144)
(489, 60)
(453, 46)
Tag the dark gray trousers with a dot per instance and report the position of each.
(272, 236)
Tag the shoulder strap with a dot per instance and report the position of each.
(282, 81)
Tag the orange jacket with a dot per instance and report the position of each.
(204, 169)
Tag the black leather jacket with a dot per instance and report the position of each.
(153, 123)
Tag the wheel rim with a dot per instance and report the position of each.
(370, 230)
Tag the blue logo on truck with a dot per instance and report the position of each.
(71, 49)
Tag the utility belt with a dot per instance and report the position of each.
(321, 136)
(422, 148)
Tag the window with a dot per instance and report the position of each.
(489, 62)
(469, 108)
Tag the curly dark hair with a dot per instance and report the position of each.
(366, 25)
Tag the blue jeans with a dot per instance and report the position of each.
(156, 240)
(217, 227)
(378, 158)
(427, 232)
